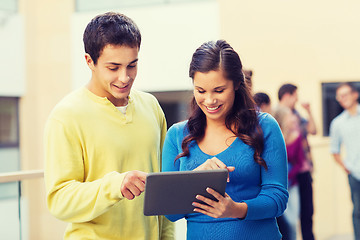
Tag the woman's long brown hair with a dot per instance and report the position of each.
(242, 120)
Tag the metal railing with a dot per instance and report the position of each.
(20, 175)
(14, 225)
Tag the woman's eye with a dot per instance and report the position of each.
(132, 66)
(113, 69)
(219, 91)
(200, 91)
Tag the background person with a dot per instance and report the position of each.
(248, 78)
(288, 97)
(263, 102)
(225, 131)
(293, 139)
(345, 130)
(94, 169)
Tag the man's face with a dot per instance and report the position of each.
(289, 100)
(346, 97)
(114, 73)
(293, 99)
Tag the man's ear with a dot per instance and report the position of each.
(89, 61)
(356, 95)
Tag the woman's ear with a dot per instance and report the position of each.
(237, 86)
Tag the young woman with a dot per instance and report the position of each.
(290, 128)
(225, 131)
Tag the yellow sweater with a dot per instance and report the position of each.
(89, 145)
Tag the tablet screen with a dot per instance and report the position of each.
(168, 193)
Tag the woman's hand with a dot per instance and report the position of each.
(225, 207)
(214, 163)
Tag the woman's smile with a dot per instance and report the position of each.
(213, 109)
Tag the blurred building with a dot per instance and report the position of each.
(313, 44)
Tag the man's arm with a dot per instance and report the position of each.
(167, 227)
(338, 159)
(311, 127)
(71, 199)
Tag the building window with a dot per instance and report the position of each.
(9, 6)
(175, 105)
(331, 108)
(9, 144)
(9, 134)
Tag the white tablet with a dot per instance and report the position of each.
(168, 193)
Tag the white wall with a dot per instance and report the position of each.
(303, 42)
(170, 34)
(12, 56)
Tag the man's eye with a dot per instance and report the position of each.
(113, 68)
(132, 66)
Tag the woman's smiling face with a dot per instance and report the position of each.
(214, 94)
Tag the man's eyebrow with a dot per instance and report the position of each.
(118, 64)
(134, 61)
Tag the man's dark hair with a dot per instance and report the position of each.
(261, 98)
(248, 77)
(286, 88)
(349, 84)
(110, 28)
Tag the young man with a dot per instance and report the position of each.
(263, 102)
(288, 97)
(345, 129)
(101, 140)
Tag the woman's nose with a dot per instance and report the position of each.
(210, 100)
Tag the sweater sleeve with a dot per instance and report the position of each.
(170, 151)
(163, 129)
(167, 227)
(69, 198)
(272, 198)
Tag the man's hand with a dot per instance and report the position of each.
(133, 184)
(339, 160)
(311, 126)
(306, 106)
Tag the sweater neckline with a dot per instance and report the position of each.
(103, 100)
(126, 118)
(220, 153)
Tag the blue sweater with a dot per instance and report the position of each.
(264, 191)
